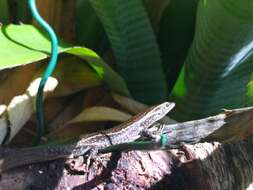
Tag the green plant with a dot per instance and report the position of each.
(202, 62)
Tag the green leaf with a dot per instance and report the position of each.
(24, 44)
(4, 13)
(175, 36)
(135, 48)
(73, 76)
(103, 70)
(218, 68)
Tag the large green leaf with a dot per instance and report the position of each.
(217, 71)
(134, 46)
(175, 36)
(24, 44)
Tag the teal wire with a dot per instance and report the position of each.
(49, 70)
(137, 145)
(163, 141)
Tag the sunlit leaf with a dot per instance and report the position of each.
(218, 68)
(100, 114)
(24, 44)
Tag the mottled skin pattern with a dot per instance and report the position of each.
(129, 130)
(126, 132)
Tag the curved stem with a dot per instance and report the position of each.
(47, 73)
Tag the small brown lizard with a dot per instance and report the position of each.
(126, 132)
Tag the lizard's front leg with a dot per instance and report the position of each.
(80, 164)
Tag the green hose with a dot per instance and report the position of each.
(49, 70)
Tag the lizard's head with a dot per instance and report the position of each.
(156, 113)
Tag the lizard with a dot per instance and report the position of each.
(126, 132)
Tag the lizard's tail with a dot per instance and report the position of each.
(12, 158)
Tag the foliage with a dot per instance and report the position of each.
(134, 46)
(217, 70)
(161, 49)
(31, 45)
